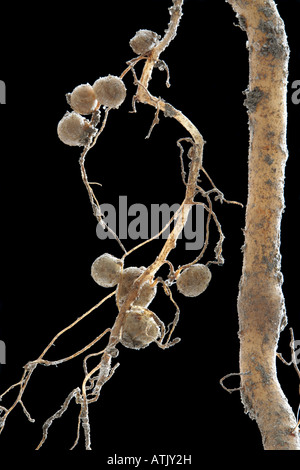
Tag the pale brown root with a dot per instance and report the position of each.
(227, 376)
(31, 366)
(293, 362)
(260, 302)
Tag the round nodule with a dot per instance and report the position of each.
(72, 129)
(194, 280)
(83, 99)
(106, 270)
(146, 294)
(143, 41)
(110, 91)
(139, 329)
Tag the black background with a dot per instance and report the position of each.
(158, 402)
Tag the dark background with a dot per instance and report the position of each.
(158, 402)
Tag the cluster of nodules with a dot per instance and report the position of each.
(74, 129)
(140, 327)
